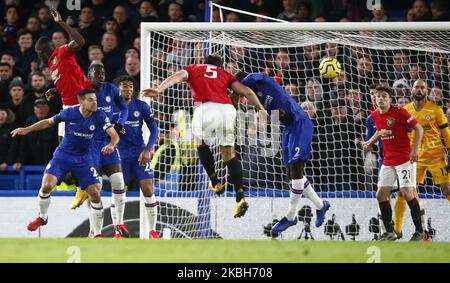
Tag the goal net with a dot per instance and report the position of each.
(370, 53)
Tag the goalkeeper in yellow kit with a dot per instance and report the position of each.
(432, 151)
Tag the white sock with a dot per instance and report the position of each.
(119, 203)
(294, 197)
(423, 217)
(113, 212)
(311, 194)
(152, 211)
(97, 217)
(88, 205)
(118, 195)
(44, 203)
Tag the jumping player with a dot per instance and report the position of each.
(296, 143)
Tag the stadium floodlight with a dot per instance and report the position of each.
(368, 52)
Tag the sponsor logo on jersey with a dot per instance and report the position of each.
(390, 121)
(385, 132)
(136, 113)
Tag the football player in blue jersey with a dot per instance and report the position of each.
(108, 95)
(73, 155)
(135, 153)
(296, 143)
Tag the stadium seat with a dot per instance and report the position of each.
(9, 180)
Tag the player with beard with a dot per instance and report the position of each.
(432, 152)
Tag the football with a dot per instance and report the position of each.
(329, 68)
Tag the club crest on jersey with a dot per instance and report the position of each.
(428, 117)
(92, 127)
(108, 99)
(390, 121)
(54, 61)
(136, 113)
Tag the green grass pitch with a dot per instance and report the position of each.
(268, 251)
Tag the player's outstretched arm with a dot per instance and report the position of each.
(77, 39)
(416, 143)
(38, 126)
(109, 148)
(176, 78)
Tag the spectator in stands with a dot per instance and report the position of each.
(34, 27)
(110, 25)
(147, 13)
(45, 19)
(132, 68)
(410, 14)
(37, 147)
(6, 76)
(8, 57)
(421, 12)
(401, 88)
(230, 67)
(159, 66)
(400, 68)
(25, 53)
(439, 73)
(440, 10)
(38, 88)
(8, 146)
(417, 72)
(354, 100)
(289, 12)
(127, 30)
(90, 32)
(232, 17)
(175, 12)
(436, 96)
(59, 38)
(447, 114)
(113, 57)
(137, 43)
(293, 91)
(304, 12)
(11, 26)
(198, 53)
(132, 52)
(314, 91)
(379, 14)
(95, 53)
(17, 92)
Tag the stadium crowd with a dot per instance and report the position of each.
(111, 30)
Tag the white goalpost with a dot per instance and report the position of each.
(391, 53)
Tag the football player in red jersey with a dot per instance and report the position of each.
(399, 159)
(214, 116)
(66, 74)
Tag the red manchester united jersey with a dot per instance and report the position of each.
(67, 75)
(392, 126)
(209, 83)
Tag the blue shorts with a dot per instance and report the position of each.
(131, 168)
(100, 160)
(296, 141)
(84, 173)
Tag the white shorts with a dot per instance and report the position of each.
(62, 125)
(215, 120)
(405, 174)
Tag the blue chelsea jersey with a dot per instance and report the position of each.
(79, 130)
(108, 100)
(272, 96)
(132, 143)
